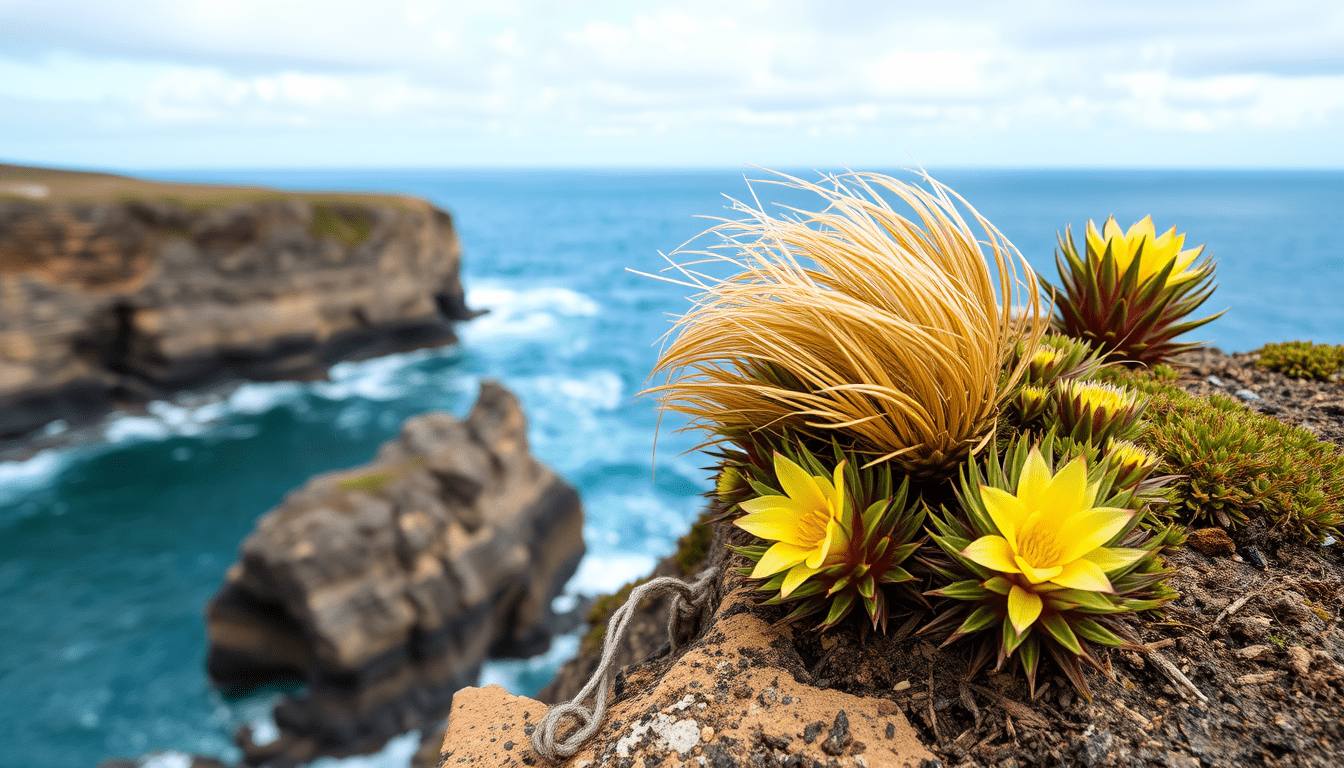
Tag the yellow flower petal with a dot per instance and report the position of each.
(991, 552)
(773, 524)
(1143, 228)
(1094, 239)
(1036, 575)
(1034, 480)
(764, 503)
(796, 576)
(1006, 510)
(1065, 495)
(840, 542)
(817, 556)
(1023, 608)
(1111, 559)
(777, 558)
(1084, 532)
(1083, 574)
(798, 485)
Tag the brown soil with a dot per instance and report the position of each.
(1316, 405)
(1268, 670)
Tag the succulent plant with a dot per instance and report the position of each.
(830, 541)
(1044, 557)
(1095, 412)
(1129, 293)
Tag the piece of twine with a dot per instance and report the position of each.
(691, 606)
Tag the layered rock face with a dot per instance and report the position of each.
(115, 290)
(385, 587)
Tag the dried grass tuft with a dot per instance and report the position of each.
(855, 323)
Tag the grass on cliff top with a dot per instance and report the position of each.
(19, 182)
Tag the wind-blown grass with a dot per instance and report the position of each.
(854, 323)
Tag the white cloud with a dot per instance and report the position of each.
(691, 79)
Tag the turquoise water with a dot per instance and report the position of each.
(108, 552)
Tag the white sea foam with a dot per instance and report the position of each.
(396, 754)
(525, 313)
(599, 390)
(608, 572)
(19, 478)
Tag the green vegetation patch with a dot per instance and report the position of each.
(1235, 465)
(694, 546)
(1303, 359)
(372, 482)
(347, 224)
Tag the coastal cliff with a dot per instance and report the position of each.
(116, 291)
(383, 588)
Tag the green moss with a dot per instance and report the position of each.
(1302, 359)
(369, 483)
(1235, 465)
(350, 225)
(694, 546)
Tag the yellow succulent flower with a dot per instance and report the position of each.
(1143, 242)
(1052, 537)
(807, 524)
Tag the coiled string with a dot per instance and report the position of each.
(692, 605)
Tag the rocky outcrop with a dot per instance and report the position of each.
(738, 695)
(385, 587)
(114, 290)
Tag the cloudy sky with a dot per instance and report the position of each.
(701, 83)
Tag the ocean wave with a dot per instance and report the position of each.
(523, 313)
(20, 478)
(396, 753)
(609, 571)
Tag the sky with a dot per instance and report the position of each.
(144, 84)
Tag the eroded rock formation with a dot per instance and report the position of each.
(385, 587)
(115, 290)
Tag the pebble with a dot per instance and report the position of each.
(706, 733)
(1215, 381)
(1247, 395)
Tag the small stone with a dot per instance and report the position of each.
(839, 737)
(1247, 395)
(706, 733)
(904, 685)
(1300, 659)
(1215, 381)
(1212, 541)
(1093, 749)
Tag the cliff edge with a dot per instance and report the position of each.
(115, 290)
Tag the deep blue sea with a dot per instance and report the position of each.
(109, 551)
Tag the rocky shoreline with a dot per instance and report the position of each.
(116, 291)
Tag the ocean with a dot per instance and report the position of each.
(110, 549)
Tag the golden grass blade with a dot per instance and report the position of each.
(856, 323)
